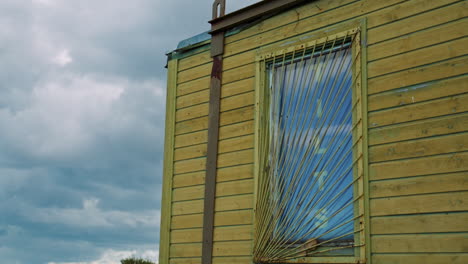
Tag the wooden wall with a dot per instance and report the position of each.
(418, 139)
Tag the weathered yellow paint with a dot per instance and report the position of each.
(418, 22)
(418, 40)
(420, 129)
(168, 170)
(417, 111)
(193, 86)
(240, 217)
(428, 203)
(418, 120)
(233, 126)
(451, 182)
(424, 223)
(419, 93)
(419, 166)
(419, 148)
(222, 204)
(224, 174)
(222, 189)
(194, 73)
(227, 145)
(228, 233)
(419, 75)
(419, 57)
(427, 258)
(429, 243)
(237, 248)
(195, 60)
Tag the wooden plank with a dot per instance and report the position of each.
(320, 7)
(193, 86)
(287, 31)
(235, 173)
(419, 166)
(419, 75)
(231, 233)
(192, 125)
(166, 200)
(191, 139)
(187, 207)
(227, 90)
(188, 193)
(236, 116)
(195, 60)
(189, 179)
(186, 250)
(418, 22)
(417, 40)
(374, 10)
(239, 127)
(418, 57)
(425, 258)
(421, 129)
(419, 148)
(404, 10)
(192, 165)
(228, 145)
(228, 103)
(195, 98)
(216, 260)
(186, 260)
(237, 202)
(230, 260)
(239, 73)
(192, 112)
(220, 234)
(203, 70)
(417, 111)
(235, 158)
(429, 243)
(238, 87)
(222, 189)
(194, 73)
(238, 60)
(190, 152)
(241, 217)
(419, 93)
(235, 248)
(420, 185)
(236, 144)
(224, 174)
(186, 236)
(234, 187)
(237, 101)
(417, 204)
(425, 223)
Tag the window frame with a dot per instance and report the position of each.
(359, 123)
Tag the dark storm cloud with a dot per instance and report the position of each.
(82, 94)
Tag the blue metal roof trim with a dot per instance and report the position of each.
(194, 40)
(206, 36)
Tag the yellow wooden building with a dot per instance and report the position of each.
(319, 131)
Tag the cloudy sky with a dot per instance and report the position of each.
(82, 94)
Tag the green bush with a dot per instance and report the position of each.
(136, 261)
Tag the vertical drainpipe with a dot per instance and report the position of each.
(217, 50)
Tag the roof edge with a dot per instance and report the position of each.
(261, 9)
